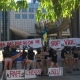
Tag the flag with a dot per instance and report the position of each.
(45, 35)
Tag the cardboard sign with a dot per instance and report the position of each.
(55, 71)
(39, 56)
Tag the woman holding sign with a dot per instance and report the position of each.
(7, 60)
(54, 59)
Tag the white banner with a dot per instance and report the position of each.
(60, 43)
(55, 71)
(69, 42)
(32, 73)
(55, 43)
(22, 74)
(14, 74)
(35, 43)
(77, 42)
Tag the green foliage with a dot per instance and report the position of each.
(62, 8)
(13, 5)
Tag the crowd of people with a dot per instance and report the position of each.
(45, 58)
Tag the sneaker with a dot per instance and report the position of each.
(73, 69)
(1, 78)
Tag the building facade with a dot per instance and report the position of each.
(19, 25)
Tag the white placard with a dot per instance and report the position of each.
(22, 74)
(77, 42)
(32, 73)
(69, 42)
(55, 43)
(55, 71)
(14, 74)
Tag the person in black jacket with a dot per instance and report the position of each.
(24, 64)
(30, 57)
(75, 56)
(62, 56)
(54, 59)
(7, 54)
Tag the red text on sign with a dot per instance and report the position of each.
(37, 41)
(15, 73)
(33, 72)
(69, 42)
(55, 71)
(55, 43)
(2, 44)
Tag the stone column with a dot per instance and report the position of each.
(59, 35)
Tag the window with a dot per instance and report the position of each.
(17, 16)
(31, 16)
(24, 10)
(31, 10)
(24, 16)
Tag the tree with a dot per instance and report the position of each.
(13, 4)
(56, 9)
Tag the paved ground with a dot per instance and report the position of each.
(74, 75)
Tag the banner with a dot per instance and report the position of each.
(55, 43)
(14, 74)
(35, 43)
(77, 42)
(60, 43)
(22, 74)
(69, 42)
(55, 71)
(32, 73)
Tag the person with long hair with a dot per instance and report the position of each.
(30, 57)
(7, 60)
(54, 59)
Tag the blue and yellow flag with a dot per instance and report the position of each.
(45, 35)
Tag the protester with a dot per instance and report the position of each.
(24, 55)
(75, 55)
(68, 58)
(30, 57)
(45, 61)
(13, 50)
(7, 60)
(62, 56)
(54, 59)
(38, 59)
